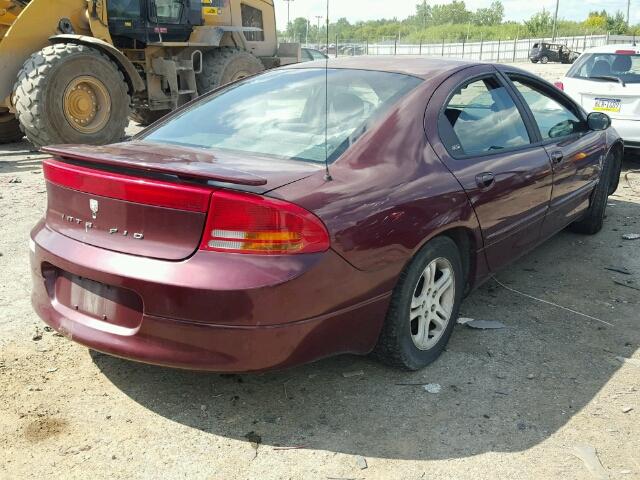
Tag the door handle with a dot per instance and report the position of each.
(557, 156)
(485, 180)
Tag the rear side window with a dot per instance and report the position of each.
(252, 17)
(481, 118)
(554, 119)
(607, 66)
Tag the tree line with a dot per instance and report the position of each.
(455, 22)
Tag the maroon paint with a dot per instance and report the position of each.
(512, 210)
(168, 233)
(170, 304)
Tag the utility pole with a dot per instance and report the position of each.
(424, 14)
(288, 13)
(628, 9)
(555, 21)
(306, 42)
(318, 17)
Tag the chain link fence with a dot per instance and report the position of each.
(508, 50)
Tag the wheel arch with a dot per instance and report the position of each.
(616, 148)
(469, 246)
(466, 243)
(131, 75)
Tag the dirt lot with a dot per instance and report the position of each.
(514, 404)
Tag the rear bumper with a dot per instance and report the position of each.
(629, 130)
(298, 313)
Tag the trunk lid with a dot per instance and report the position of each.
(617, 101)
(147, 199)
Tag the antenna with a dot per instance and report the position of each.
(327, 174)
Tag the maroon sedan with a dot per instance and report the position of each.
(273, 222)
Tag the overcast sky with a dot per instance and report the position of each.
(355, 10)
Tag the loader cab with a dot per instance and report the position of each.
(151, 21)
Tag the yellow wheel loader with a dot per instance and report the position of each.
(74, 71)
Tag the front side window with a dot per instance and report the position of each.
(607, 67)
(284, 114)
(252, 17)
(554, 119)
(484, 119)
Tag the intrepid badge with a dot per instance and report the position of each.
(94, 205)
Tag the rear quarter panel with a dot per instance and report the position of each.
(389, 194)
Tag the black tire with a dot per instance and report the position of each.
(616, 171)
(591, 223)
(145, 117)
(544, 59)
(534, 61)
(225, 65)
(395, 345)
(39, 95)
(10, 131)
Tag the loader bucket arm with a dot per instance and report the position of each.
(25, 30)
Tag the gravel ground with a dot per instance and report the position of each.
(515, 403)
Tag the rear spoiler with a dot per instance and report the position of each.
(184, 162)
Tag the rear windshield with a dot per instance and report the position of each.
(606, 66)
(283, 113)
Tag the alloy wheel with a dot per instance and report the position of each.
(432, 303)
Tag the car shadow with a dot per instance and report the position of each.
(502, 390)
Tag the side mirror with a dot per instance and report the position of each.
(598, 121)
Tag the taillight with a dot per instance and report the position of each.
(559, 85)
(625, 52)
(245, 223)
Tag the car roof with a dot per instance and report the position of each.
(613, 48)
(417, 66)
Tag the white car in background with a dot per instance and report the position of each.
(607, 79)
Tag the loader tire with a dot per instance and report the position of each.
(10, 130)
(145, 117)
(68, 93)
(226, 65)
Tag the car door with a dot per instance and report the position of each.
(171, 20)
(576, 153)
(484, 140)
